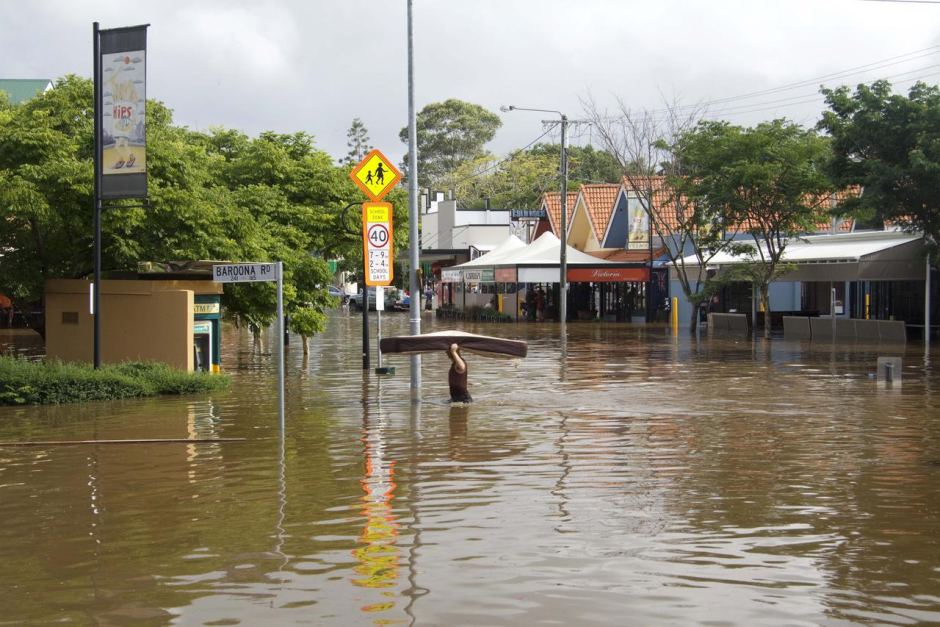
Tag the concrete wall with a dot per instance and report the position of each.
(141, 320)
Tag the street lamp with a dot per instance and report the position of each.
(563, 261)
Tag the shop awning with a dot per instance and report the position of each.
(539, 262)
(866, 256)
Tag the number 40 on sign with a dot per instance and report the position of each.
(377, 242)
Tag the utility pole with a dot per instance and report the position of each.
(563, 253)
(563, 289)
(413, 210)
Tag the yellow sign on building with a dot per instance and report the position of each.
(375, 175)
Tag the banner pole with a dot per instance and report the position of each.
(280, 343)
(96, 293)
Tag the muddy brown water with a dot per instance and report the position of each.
(627, 477)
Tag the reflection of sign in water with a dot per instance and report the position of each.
(377, 556)
(123, 112)
(639, 233)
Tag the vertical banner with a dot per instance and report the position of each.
(122, 112)
(639, 234)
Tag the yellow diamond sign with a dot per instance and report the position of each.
(375, 175)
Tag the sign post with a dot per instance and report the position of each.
(255, 273)
(375, 176)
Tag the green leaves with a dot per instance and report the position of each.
(888, 144)
(450, 133)
(219, 195)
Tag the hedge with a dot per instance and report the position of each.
(25, 382)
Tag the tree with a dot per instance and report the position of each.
(585, 163)
(450, 133)
(217, 195)
(889, 145)
(357, 139)
(644, 143)
(768, 179)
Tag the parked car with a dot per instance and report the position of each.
(342, 298)
(403, 302)
(391, 294)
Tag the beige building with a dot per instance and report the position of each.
(140, 320)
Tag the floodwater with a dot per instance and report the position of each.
(626, 478)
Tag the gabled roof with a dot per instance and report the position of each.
(551, 202)
(599, 200)
(21, 89)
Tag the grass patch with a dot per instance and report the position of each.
(53, 382)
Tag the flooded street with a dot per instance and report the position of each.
(627, 477)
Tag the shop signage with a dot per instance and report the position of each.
(639, 236)
(206, 308)
(505, 275)
(450, 276)
(532, 214)
(608, 275)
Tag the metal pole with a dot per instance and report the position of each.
(563, 262)
(832, 310)
(365, 324)
(280, 344)
(413, 209)
(927, 305)
(96, 294)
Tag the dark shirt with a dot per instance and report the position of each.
(458, 385)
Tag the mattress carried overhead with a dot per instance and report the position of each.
(441, 341)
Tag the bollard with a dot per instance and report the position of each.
(889, 371)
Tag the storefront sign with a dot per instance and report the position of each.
(206, 308)
(505, 275)
(608, 275)
(450, 276)
(478, 276)
(639, 235)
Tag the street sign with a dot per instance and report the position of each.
(377, 242)
(375, 175)
(244, 272)
(253, 273)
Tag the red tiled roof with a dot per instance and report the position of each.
(666, 204)
(628, 256)
(599, 199)
(552, 203)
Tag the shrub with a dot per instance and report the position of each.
(53, 382)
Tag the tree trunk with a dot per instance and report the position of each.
(693, 326)
(303, 340)
(765, 299)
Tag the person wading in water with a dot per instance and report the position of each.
(457, 376)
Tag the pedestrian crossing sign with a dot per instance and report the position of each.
(375, 175)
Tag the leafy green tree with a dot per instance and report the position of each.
(586, 164)
(450, 133)
(767, 179)
(307, 311)
(217, 195)
(357, 139)
(646, 146)
(888, 144)
(516, 182)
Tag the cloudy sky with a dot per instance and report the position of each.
(313, 65)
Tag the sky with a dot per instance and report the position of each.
(314, 65)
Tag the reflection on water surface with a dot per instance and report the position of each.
(625, 477)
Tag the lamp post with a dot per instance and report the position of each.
(563, 254)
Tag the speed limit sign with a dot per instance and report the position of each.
(377, 242)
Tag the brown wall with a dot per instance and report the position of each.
(140, 320)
